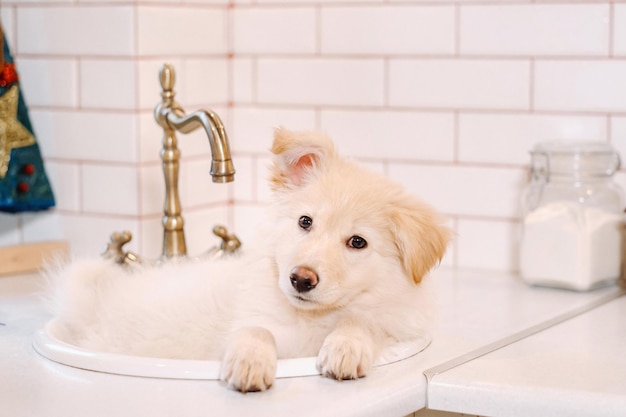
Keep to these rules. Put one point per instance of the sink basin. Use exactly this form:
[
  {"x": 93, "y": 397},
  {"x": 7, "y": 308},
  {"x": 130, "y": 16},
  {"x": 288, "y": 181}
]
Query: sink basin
[{"x": 51, "y": 346}]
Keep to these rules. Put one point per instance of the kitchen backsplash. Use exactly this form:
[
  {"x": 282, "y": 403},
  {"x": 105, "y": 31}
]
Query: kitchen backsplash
[{"x": 446, "y": 97}]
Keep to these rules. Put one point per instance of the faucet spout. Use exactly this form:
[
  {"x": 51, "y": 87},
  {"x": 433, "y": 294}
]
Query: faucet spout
[
  {"x": 222, "y": 169},
  {"x": 170, "y": 116}
]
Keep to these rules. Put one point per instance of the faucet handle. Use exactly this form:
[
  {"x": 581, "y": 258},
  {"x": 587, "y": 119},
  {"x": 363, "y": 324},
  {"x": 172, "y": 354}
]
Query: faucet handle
[
  {"x": 114, "y": 249},
  {"x": 230, "y": 242}
]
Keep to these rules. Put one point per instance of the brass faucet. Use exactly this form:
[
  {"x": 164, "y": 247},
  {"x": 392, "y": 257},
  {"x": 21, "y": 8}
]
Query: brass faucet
[{"x": 171, "y": 117}]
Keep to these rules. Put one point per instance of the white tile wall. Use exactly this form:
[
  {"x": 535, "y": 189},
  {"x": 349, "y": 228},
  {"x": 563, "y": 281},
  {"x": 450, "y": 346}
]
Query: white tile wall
[
  {"x": 109, "y": 189},
  {"x": 459, "y": 83},
  {"x": 489, "y": 138},
  {"x": 388, "y": 134},
  {"x": 180, "y": 30},
  {"x": 75, "y": 30},
  {"x": 445, "y": 97},
  {"x": 320, "y": 81},
  {"x": 388, "y": 30},
  {"x": 49, "y": 82},
  {"x": 619, "y": 30},
  {"x": 536, "y": 29},
  {"x": 253, "y": 127},
  {"x": 497, "y": 248},
  {"x": 274, "y": 30},
  {"x": 580, "y": 85},
  {"x": 464, "y": 190},
  {"x": 108, "y": 84},
  {"x": 86, "y": 135}
]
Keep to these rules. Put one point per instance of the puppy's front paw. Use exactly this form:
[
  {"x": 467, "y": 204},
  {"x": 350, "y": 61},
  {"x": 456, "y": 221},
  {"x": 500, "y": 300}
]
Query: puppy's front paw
[
  {"x": 344, "y": 356},
  {"x": 249, "y": 363}
]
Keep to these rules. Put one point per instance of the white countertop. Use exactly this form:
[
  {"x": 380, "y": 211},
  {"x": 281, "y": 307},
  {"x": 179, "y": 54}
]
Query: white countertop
[
  {"x": 576, "y": 368},
  {"x": 476, "y": 309}
]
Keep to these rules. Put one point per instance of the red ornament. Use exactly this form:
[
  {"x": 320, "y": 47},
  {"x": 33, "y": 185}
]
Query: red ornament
[
  {"x": 8, "y": 75},
  {"x": 22, "y": 187},
  {"x": 28, "y": 169}
]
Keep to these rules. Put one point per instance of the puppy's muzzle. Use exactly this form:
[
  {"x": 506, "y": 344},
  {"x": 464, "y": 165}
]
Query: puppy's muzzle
[{"x": 303, "y": 279}]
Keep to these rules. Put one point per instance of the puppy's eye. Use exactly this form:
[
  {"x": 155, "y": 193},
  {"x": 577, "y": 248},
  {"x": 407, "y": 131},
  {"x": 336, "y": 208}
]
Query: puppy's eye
[
  {"x": 305, "y": 222},
  {"x": 357, "y": 242}
]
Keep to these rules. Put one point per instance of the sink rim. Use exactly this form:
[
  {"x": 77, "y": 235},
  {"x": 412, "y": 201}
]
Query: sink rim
[{"x": 52, "y": 348}]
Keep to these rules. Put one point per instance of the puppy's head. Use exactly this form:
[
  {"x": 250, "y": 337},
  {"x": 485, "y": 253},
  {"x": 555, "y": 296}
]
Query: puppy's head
[{"x": 345, "y": 233}]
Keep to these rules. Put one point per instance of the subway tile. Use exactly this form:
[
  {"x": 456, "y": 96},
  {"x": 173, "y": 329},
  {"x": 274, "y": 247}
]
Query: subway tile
[
  {"x": 42, "y": 226},
  {"x": 619, "y": 29},
  {"x": 7, "y": 17},
  {"x": 253, "y": 127},
  {"x": 507, "y": 138},
  {"x": 49, "y": 82},
  {"x": 242, "y": 74},
  {"x": 108, "y": 84},
  {"x": 250, "y": 221},
  {"x": 196, "y": 186},
  {"x": 75, "y": 30},
  {"x": 152, "y": 190},
  {"x": 109, "y": 189},
  {"x": 180, "y": 30},
  {"x": 580, "y": 85},
  {"x": 205, "y": 81},
  {"x": 535, "y": 29},
  {"x": 321, "y": 81},
  {"x": 150, "y": 137},
  {"x": 274, "y": 30},
  {"x": 86, "y": 135},
  {"x": 464, "y": 190},
  {"x": 88, "y": 235},
  {"x": 150, "y": 238},
  {"x": 388, "y": 30},
  {"x": 65, "y": 182},
  {"x": 459, "y": 83},
  {"x": 245, "y": 178},
  {"x": 389, "y": 134},
  {"x": 252, "y": 180},
  {"x": 10, "y": 229},
  {"x": 263, "y": 192},
  {"x": 199, "y": 228},
  {"x": 197, "y": 82},
  {"x": 484, "y": 244}
]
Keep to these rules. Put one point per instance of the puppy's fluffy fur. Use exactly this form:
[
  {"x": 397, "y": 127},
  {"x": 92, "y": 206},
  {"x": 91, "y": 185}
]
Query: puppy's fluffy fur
[{"x": 341, "y": 285}]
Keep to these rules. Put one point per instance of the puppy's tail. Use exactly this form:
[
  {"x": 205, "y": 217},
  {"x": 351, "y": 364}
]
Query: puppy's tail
[{"x": 75, "y": 292}]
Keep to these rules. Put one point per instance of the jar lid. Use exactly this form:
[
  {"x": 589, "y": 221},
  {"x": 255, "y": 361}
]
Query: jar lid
[{"x": 575, "y": 158}]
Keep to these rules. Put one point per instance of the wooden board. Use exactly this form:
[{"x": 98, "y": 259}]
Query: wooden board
[{"x": 30, "y": 257}]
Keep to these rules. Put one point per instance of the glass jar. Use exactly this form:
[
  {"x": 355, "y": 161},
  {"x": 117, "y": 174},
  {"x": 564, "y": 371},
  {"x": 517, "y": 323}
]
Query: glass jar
[{"x": 573, "y": 216}]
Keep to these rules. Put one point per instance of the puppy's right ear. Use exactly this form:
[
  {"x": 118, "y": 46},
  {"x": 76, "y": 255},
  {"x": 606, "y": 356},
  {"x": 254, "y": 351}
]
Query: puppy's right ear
[{"x": 298, "y": 156}]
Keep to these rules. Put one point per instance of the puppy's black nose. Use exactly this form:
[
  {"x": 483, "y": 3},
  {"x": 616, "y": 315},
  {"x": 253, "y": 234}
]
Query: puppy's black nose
[{"x": 303, "y": 279}]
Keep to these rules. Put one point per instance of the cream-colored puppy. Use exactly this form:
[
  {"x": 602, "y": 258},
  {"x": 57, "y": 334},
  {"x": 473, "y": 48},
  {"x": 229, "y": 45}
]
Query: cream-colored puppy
[{"x": 334, "y": 275}]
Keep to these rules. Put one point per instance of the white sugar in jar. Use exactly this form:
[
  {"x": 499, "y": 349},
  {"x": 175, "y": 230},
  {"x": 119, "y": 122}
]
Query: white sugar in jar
[{"x": 573, "y": 217}]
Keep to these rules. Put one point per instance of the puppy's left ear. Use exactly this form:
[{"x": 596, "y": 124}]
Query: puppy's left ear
[
  {"x": 298, "y": 156},
  {"x": 421, "y": 238}
]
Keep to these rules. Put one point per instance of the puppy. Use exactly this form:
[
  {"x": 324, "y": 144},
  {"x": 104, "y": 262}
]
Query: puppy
[{"x": 335, "y": 276}]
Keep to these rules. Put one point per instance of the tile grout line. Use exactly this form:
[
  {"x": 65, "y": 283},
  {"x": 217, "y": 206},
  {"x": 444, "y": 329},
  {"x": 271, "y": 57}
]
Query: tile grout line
[{"x": 516, "y": 337}]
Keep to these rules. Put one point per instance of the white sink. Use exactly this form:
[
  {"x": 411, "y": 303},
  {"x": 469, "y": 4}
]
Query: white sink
[{"x": 51, "y": 346}]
